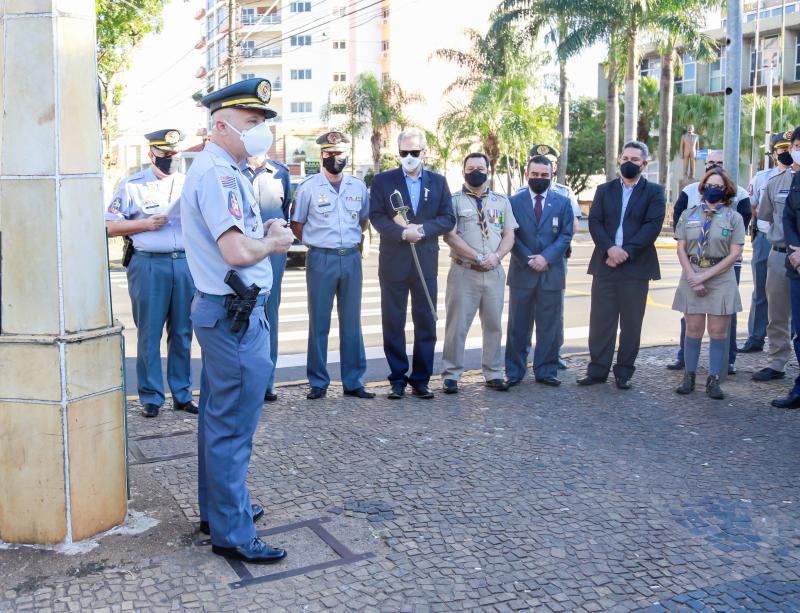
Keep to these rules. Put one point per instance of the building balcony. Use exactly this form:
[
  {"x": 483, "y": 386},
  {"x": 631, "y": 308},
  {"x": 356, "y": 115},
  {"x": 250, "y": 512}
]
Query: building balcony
[
  {"x": 252, "y": 57},
  {"x": 262, "y": 23}
]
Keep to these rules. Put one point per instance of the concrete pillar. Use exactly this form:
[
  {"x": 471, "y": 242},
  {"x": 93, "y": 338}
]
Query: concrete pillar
[{"x": 62, "y": 419}]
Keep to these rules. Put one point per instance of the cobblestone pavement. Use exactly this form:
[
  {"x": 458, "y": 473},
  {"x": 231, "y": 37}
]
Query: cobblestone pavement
[{"x": 570, "y": 499}]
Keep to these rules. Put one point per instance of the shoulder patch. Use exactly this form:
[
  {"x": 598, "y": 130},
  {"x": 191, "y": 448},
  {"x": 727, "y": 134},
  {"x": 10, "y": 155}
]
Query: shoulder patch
[
  {"x": 115, "y": 208},
  {"x": 233, "y": 206}
]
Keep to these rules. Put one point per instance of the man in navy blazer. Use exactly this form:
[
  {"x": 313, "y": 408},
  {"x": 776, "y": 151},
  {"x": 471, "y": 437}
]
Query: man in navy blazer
[
  {"x": 537, "y": 275},
  {"x": 430, "y": 215},
  {"x": 624, "y": 221}
]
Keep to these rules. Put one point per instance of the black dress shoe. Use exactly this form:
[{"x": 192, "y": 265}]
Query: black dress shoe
[
  {"x": 512, "y": 382},
  {"x": 150, "y": 410},
  {"x": 731, "y": 369},
  {"x": 792, "y": 401},
  {"x": 497, "y": 384},
  {"x": 398, "y": 391},
  {"x": 189, "y": 407},
  {"x": 676, "y": 365},
  {"x": 359, "y": 393},
  {"x": 622, "y": 383},
  {"x": 316, "y": 393},
  {"x": 449, "y": 386},
  {"x": 257, "y": 510},
  {"x": 562, "y": 365},
  {"x": 551, "y": 381},
  {"x": 270, "y": 396},
  {"x": 749, "y": 347},
  {"x": 422, "y": 391},
  {"x": 255, "y": 552},
  {"x": 587, "y": 380},
  {"x": 768, "y": 374}
]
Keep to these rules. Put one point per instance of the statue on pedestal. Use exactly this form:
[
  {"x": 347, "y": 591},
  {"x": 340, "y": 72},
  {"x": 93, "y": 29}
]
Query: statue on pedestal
[{"x": 690, "y": 143}]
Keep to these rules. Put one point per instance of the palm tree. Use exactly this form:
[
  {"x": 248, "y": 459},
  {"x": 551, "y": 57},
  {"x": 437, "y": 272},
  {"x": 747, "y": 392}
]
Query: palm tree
[{"x": 370, "y": 104}]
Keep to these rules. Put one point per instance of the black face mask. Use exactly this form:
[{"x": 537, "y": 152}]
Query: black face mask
[
  {"x": 167, "y": 165},
  {"x": 629, "y": 170},
  {"x": 539, "y": 186},
  {"x": 785, "y": 158},
  {"x": 334, "y": 165},
  {"x": 476, "y": 178}
]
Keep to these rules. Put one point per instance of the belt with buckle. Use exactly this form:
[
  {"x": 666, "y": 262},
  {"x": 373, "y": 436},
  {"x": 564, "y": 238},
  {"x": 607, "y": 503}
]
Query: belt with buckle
[
  {"x": 174, "y": 255},
  {"x": 780, "y": 249},
  {"x": 220, "y": 299},
  {"x": 704, "y": 262},
  {"x": 470, "y": 265},
  {"x": 338, "y": 251}
]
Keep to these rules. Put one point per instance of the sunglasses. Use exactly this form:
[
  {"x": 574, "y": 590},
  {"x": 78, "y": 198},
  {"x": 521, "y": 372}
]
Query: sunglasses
[{"x": 415, "y": 153}]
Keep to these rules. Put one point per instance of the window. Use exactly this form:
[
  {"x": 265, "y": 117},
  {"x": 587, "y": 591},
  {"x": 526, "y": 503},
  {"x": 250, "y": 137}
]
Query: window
[
  {"x": 211, "y": 57},
  {"x": 716, "y": 71},
  {"x": 302, "y": 74},
  {"x": 222, "y": 50},
  {"x": 686, "y": 83},
  {"x": 768, "y": 52},
  {"x": 300, "y": 7},
  {"x": 384, "y": 45},
  {"x": 210, "y": 4},
  {"x": 300, "y": 107},
  {"x": 248, "y": 75},
  {"x": 339, "y": 77},
  {"x": 211, "y": 24},
  {"x": 301, "y": 41},
  {"x": 249, "y": 16},
  {"x": 210, "y": 84},
  {"x": 339, "y": 11},
  {"x": 651, "y": 67},
  {"x": 339, "y": 44}
]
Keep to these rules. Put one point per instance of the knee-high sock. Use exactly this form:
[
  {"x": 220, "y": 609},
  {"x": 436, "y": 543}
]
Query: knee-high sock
[
  {"x": 691, "y": 353},
  {"x": 717, "y": 353}
]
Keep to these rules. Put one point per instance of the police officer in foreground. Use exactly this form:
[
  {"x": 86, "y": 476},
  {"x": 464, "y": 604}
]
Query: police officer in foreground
[
  {"x": 145, "y": 208},
  {"x": 552, "y": 154},
  {"x": 227, "y": 241},
  {"x": 331, "y": 211},
  {"x": 273, "y": 193},
  {"x": 483, "y": 236}
]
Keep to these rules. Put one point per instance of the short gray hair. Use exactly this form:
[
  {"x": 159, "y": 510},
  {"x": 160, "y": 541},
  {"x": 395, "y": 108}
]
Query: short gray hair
[
  {"x": 635, "y": 144},
  {"x": 413, "y": 133}
]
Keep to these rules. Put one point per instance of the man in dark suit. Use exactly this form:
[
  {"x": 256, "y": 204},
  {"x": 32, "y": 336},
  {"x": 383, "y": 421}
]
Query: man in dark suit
[
  {"x": 430, "y": 215},
  {"x": 624, "y": 221},
  {"x": 537, "y": 275}
]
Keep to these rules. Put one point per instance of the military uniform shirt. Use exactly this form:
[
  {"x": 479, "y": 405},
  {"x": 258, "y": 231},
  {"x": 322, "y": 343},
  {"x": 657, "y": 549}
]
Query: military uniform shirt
[
  {"x": 566, "y": 191},
  {"x": 331, "y": 219},
  {"x": 142, "y": 195},
  {"x": 497, "y": 214},
  {"x": 773, "y": 199},
  {"x": 270, "y": 187},
  {"x": 218, "y": 197},
  {"x": 759, "y": 182}
]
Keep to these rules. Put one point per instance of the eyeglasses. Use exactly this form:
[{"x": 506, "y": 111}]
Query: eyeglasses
[
  {"x": 711, "y": 165},
  {"x": 415, "y": 153}
]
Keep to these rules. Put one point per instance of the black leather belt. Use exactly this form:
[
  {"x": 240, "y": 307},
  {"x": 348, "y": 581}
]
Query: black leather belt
[
  {"x": 779, "y": 249},
  {"x": 704, "y": 262},
  {"x": 220, "y": 299},
  {"x": 470, "y": 265},
  {"x": 175, "y": 255},
  {"x": 339, "y": 251}
]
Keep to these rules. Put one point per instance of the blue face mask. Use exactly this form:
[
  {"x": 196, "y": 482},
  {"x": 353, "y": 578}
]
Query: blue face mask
[{"x": 713, "y": 195}]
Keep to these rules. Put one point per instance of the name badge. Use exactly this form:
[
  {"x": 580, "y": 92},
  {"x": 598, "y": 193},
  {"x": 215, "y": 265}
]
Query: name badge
[
  {"x": 692, "y": 224},
  {"x": 151, "y": 207}
]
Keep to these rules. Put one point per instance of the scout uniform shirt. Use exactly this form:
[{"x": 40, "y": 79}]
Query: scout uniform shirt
[
  {"x": 218, "y": 197},
  {"x": 773, "y": 199},
  {"x": 332, "y": 220},
  {"x": 727, "y": 227},
  {"x": 480, "y": 221},
  {"x": 142, "y": 195}
]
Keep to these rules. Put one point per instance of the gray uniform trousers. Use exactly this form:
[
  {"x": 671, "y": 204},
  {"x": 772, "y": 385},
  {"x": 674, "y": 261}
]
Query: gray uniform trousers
[
  {"x": 232, "y": 388},
  {"x": 470, "y": 291},
  {"x": 779, "y": 309}
]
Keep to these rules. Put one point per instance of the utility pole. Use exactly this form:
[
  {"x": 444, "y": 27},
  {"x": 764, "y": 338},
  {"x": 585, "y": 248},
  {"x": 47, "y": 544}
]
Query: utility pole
[
  {"x": 753, "y": 151},
  {"x": 231, "y": 39},
  {"x": 780, "y": 47},
  {"x": 733, "y": 88},
  {"x": 769, "y": 66}
]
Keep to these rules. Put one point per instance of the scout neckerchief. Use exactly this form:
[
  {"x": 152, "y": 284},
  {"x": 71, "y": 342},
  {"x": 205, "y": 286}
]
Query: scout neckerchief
[
  {"x": 709, "y": 213},
  {"x": 481, "y": 215}
]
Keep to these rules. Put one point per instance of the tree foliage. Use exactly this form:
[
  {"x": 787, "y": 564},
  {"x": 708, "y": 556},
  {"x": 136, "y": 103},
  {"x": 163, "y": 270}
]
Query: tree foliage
[{"x": 587, "y": 119}]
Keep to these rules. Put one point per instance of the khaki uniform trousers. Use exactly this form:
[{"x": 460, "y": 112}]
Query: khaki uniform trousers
[
  {"x": 779, "y": 310},
  {"x": 470, "y": 291}
]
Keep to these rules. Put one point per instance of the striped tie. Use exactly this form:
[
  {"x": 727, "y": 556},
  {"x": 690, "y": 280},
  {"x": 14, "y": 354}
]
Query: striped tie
[
  {"x": 482, "y": 218},
  {"x": 537, "y": 210}
]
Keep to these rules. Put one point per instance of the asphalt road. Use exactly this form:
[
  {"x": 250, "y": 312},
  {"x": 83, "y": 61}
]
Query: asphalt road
[{"x": 661, "y": 324}]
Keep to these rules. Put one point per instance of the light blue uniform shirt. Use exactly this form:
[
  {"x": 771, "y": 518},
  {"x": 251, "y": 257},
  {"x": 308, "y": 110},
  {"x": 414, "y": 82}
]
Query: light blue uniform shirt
[
  {"x": 331, "y": 220},
  {"x": 217, "y": 197},
  {"x": 142, "y": 195},
  {"x": 414, "y": 187},
  {"x": 626, "y": 197}
]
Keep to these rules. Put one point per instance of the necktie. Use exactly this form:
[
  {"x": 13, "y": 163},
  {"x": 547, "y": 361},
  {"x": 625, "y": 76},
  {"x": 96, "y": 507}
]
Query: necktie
[{"x": 537, "y": 210}]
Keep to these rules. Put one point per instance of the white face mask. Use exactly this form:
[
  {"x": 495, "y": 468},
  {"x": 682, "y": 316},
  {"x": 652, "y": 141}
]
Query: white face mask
[
  {"x": 410, "y": 163},
  {"x": 257, "y": 140},
  {"x": 796, "y": 156}
]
